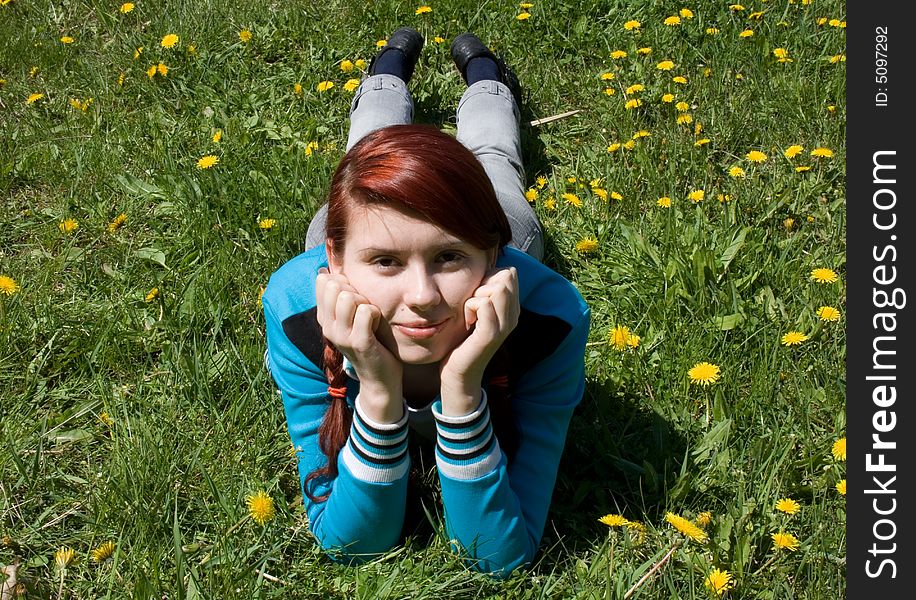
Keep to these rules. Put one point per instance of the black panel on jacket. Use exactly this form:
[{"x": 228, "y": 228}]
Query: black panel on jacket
[{"x": 304, "y": 332}]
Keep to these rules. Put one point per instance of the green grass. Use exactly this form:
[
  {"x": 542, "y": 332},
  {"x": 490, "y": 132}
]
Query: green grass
[{"x": 195, "y": 423}]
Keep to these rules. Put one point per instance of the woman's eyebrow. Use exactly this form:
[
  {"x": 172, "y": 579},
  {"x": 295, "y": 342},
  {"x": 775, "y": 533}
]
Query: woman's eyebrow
[{"x": 447, "y": 245}]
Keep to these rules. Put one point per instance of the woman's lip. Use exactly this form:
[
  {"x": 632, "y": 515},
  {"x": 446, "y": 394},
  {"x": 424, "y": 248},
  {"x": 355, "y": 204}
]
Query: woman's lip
[{"x": 419, "y": 331}]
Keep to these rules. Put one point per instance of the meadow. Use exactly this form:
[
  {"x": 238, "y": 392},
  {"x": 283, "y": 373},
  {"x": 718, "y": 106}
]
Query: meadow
[{"x": 159, "y": 160}]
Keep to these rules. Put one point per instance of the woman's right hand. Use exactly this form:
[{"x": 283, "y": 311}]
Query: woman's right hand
[{"x": 349, "y": 322}]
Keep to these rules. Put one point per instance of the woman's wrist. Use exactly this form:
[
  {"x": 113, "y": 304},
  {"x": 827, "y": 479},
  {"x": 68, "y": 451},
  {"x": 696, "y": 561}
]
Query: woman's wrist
[
  {"x": 460, "y": 396},
  {"x": 381, "y": 403}
]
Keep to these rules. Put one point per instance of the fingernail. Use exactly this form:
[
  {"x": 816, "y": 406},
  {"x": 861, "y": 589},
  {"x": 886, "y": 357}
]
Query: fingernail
[{"x": 323, "y": 270}]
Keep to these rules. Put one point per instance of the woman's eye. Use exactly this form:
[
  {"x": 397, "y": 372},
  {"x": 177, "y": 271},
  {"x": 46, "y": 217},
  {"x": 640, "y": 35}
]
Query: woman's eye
[
  {"x": 384, "y": 263},
  {"x": 450, "y": 257}
]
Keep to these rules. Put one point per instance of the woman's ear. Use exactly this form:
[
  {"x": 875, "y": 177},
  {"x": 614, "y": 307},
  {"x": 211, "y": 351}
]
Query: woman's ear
[{"x": 335, "y": 264}]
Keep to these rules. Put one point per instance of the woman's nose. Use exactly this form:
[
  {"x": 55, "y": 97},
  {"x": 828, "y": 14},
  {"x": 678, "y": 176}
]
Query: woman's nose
[{"x": 422, "y": 291}]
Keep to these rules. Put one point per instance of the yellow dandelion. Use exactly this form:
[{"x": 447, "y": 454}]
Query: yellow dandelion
[
  {"x": 635, "y": 88},
  {"x": 712, "y": 31},
  {"x": 105, "y": 418},
  {"x": 679, "y": 79},
  {"x": 33, "y": 71},
  {"x": 208, "y": 161},
  {"x": 792, "y": 151},
  {"x": 572, "y": 199},
  {"x": 169, "y": 41},
  {"x": 531, "y": 194},
  {"x": 616, "y": 54},
  {"x": 267, "y": 223},
  {"x": 121, "y": 79},
  {"x": 757, "y": 15},
  {"x": 217, "y": 136},
  {"x": 802, "y": 168},
  {"x": 162, "y": 69},
  {"x": 601, "y": 193},
  {"x": 607, "y": 76},
  {"x": 794, "y": 338},
  {"x": 641, "y": 134},
  {"x": 632, "y": 25},
  {"x": 630, "y": 144},
  {"x": 351, "y": 85},
  {"x": 735, "y": 7},
  {"x": 541, "y": 181},
  {"x": 245, "y": 35},
  {"x": 682, "y": 107},
  {"x": 550, "y": 203},
  {"x": 756, "y": 156},
  {"x": 324, "y": 86},
  {"x": 64, "y": 557},
  {"x": 837, "y": 58},
  {"x": 665, "y": 65},
  {"x": 103, "y": 552},
  {"x": 696, "y": 196},
  {"x": 684, "y": 119},
  {"x": 664, "y": 202},
  {"x": 117, "y": 222},
  {"x": 33, "y": 98},
  {"x": 839, "y": 449},
  {"x": 633, "y": 103},
  {"x": 613, "y": 520},
  {"x": 138, "y": 52},
  {"x": 619, "y": 337},
  {"x": 685, "y": 527},
  {"x": 686, "y": 13},
  {"x": 525, "y": 5},
  {"x": 704, "y": 518},
  {"x": 701, "y": 142},
  {"x": 722, "y": 198},
  {"x": 616, "y": 196},
  {"x": 151, "y": 72},
  {"x": 841, "y": 487},
  {"x": 152, "y": 294},
  {"x": 668, "y": 98},
  {"x": 736, "y": 171},
  {"x": 523, "y": 16},
  {"x": 828, "y": 313},
  {"x": 614, "y": 147},
  {"x": 704, "y": 373},
  {"x": 587, "y": 245},
  {"x": 789, "y": 223},
  {"x": 719, "y": 581},
  {"x": 422, "y": 10},
  {"x": 785, "y": 541},
  {"x": 672, "y": 21},
  {"x": 66, "y": 40},
  {"x": 609, "y": 91},
  {"x": 310, "y": 148},
  {"x": 260, "y": 507},
  {"x": 360, "y": 64},
  {"x": 346, "y": 65},
  {"x": 822, "y": 153},
  {"x": 126, "y": 7},
  {"x": 68, "y": 225},
  {"x": 644, "y": 51},
  {"x": 8, "y": 285},
  {"x": 822, "y": 275},
  {"x": 788, "y": 506},
  {"x": 297, "y": 89}
]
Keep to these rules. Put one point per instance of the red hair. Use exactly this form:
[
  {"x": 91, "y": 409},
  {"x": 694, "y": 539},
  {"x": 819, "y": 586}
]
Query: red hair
[{"x": 421, "y": 170}]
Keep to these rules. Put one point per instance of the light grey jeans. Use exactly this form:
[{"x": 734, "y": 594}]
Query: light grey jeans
[{"x": 487, "y": 125}]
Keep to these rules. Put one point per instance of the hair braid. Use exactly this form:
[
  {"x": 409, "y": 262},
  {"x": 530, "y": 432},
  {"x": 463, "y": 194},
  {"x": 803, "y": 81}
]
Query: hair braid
[{"x": 335, "y": 427}]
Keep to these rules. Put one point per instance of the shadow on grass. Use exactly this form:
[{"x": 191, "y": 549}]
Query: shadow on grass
[{"x": 620, "y": 457}]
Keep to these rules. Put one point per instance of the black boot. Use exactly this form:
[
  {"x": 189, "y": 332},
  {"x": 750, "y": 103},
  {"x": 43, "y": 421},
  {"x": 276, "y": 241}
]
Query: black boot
[
  {"x": 467, "y": 47},
  {"x": 399, "y": 56}
]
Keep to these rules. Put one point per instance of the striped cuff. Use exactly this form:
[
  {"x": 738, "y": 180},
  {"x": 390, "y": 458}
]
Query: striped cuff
[
  {"x": 466, "y": 447},
  {"x": 376, "y": 452}
]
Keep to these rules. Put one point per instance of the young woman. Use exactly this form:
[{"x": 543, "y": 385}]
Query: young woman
[{"x": 423, "y": 313}]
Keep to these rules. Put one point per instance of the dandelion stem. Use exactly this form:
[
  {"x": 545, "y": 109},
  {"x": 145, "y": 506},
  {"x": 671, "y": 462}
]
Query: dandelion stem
[
  {"x": 652, "y": 571},
  {"x": 765, "y": 565}
]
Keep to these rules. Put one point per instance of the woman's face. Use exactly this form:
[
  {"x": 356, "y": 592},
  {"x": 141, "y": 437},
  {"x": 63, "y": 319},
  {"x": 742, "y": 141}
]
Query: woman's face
[{"x": 417, "y": 274}]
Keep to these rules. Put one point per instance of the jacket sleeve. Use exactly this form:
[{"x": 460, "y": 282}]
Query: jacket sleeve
[
  {"x": 364, "y": 513},
  {"x": 494, "y": 512}
]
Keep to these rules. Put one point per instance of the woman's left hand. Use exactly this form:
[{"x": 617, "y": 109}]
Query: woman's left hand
[{"x": 493, "y": 313}]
